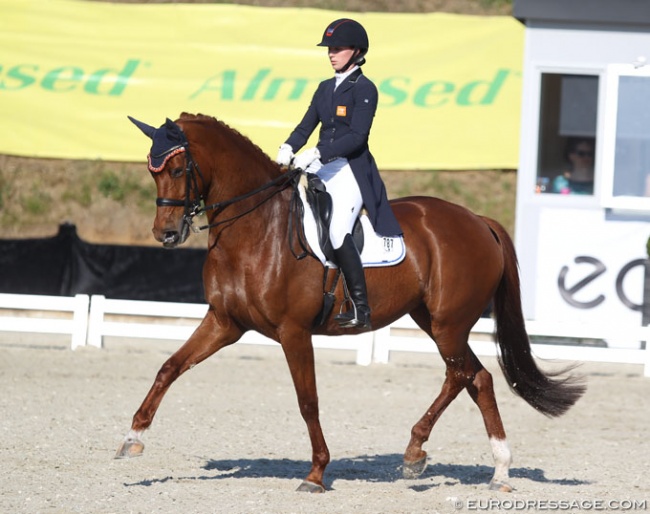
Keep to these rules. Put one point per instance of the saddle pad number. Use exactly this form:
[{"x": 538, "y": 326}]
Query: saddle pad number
[{"x": 341, "y": 110}]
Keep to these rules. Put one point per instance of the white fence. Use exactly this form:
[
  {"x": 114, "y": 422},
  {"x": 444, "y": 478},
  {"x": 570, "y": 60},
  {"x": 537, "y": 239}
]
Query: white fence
[
  {"x": 89, "y": 319},
  {"x": 46, "y": 315},
  {"x": 168, "y": 324},
  {"x": 404, "y": 335}
]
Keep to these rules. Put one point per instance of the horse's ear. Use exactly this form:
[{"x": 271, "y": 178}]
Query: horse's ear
[
  {"x": 174, "y": 132},
  {"x": 148, "y": 130}
]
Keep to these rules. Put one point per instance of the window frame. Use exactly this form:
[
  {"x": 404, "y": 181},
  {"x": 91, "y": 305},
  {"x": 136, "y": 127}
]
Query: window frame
[
  {"x": 530, "y": 144},
  {"x": 607, "y": 130},
  {"x": 542, "y": 155}
]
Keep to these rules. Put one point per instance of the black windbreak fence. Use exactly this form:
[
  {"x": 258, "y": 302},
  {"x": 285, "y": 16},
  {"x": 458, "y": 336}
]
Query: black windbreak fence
[{"x": 64, "y": 265}]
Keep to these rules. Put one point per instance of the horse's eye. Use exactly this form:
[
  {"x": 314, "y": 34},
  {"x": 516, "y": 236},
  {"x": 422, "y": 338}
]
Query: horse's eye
[{"x": 176, "y": 172}]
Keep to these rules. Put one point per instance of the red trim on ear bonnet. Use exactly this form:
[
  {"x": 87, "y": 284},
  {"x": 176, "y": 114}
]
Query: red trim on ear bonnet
[{"x": 172, "y": 153}]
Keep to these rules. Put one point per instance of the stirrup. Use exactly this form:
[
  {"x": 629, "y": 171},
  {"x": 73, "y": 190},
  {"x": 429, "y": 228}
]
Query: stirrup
[{"x": 350, "y": 318}]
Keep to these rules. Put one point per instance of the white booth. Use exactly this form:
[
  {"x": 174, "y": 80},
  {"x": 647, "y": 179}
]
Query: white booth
[{"x": 583, "y": 189}]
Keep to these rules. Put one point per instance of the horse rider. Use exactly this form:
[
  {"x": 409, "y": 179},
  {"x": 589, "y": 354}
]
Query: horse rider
[{"x": 345, "y": 106}]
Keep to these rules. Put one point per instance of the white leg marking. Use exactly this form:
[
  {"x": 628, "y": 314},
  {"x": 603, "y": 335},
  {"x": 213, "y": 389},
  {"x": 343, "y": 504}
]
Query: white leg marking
[
  {"x": 502, "y": 460},
  {"x": 134, "y": 436}
]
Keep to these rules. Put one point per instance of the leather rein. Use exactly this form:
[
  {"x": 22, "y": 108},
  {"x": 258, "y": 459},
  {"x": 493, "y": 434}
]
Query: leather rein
[{"x": 194, "y": 204}]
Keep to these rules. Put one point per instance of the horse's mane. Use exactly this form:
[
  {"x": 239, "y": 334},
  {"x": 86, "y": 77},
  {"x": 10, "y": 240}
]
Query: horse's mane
[{"x": 237, "y": 136}]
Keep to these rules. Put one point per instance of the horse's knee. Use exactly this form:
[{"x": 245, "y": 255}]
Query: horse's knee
[{"x": 167, "y": 373}]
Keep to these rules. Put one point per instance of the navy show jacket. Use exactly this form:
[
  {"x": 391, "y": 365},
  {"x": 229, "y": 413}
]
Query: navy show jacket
[{"x": 346, "y": 117}]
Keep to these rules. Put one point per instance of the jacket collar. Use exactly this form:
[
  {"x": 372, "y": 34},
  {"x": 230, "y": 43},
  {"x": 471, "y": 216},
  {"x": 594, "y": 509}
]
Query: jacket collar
[
  {"x": 349, "y": 81},
  {"x": 354, "y": 76}
]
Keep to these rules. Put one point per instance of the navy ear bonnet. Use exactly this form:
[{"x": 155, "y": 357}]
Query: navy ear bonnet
[{"x": 167, "y": 141}]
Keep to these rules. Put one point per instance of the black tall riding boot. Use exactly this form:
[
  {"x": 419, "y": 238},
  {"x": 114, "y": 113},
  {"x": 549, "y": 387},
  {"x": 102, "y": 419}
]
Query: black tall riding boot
[{"x": 348, "y": 259}]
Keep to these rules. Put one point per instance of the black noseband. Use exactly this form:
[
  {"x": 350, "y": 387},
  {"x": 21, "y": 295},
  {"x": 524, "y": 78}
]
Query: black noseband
[{"x": 169, "y": 202}]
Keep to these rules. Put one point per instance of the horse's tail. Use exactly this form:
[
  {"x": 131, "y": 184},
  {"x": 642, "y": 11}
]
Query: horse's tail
[{"x": 551, "y": 393}]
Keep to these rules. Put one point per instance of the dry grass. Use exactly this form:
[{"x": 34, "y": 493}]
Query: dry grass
[{"x": 113, "y": 202}]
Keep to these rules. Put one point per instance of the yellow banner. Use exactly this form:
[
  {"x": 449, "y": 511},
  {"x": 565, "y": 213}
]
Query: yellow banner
[{"x": 71, "y": 71}]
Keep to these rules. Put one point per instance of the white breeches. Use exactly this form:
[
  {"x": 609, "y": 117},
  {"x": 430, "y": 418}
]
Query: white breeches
[{"x": 346, "y": 197}]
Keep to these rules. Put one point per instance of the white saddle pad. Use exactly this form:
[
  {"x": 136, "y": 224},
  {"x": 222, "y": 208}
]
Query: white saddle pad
[{"x": 377, "y": 250}]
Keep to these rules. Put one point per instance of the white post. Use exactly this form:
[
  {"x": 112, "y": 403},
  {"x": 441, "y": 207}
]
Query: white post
[
  {"x": 646, "y": 339},
  {"x": 364, "y": 352},
  {"x": 95, "y": 321},
  {"x": 381, "y": 351},
  {"x": 80, "y": 320}
]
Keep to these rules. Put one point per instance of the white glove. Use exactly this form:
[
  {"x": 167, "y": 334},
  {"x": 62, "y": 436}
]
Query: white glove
[
  {"x": 304, "y": 159},
  {"x": 285, "y": 154}
]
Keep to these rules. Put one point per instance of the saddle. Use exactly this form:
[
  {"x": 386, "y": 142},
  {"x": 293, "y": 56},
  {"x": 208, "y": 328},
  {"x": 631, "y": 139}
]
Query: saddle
[{"x": 320, "y": 202}]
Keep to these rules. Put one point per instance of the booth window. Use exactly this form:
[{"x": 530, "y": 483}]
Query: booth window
[
  {"x": 567, "y": 135},
  {"x": 632, "y": 142}
]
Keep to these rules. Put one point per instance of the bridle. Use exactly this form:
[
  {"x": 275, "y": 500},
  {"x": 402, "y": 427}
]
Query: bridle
[{"x": 194, "y": 204}]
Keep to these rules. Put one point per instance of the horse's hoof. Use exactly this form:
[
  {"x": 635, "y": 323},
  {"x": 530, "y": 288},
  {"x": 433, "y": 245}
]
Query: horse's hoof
[
  {"x": 500, "y": 486},
  {"x": 310, "y": 487},
  {"x": 130, "y": 448},
  {"x": 413, "y": 470}
]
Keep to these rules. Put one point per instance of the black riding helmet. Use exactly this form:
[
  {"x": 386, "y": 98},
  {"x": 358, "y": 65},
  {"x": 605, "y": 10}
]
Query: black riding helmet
[{"x": 347, "y": 32}]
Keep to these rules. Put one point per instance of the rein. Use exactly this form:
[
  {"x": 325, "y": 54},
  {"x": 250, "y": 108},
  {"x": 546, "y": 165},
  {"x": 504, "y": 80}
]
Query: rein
[
  {"x": 284, "y": 180},
  {"x": 194, "y": 204}
]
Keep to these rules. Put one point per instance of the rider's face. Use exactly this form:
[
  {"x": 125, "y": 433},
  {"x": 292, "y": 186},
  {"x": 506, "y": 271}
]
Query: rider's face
[{"x": 339, "y": 56}]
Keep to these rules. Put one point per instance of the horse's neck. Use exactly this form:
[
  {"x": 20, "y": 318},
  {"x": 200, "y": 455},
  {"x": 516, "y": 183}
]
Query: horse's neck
[
  {"x": 227, "y": 181},
  {"x": 264, "y": 213}
]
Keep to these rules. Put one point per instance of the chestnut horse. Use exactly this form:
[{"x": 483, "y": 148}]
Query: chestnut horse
[{"x": 456, "y": 264}]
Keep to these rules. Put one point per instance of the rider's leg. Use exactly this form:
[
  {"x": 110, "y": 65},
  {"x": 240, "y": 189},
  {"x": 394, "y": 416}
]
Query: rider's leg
[
  {"x": 347, "y": 203},
  {"x": 349, "y": 261}
]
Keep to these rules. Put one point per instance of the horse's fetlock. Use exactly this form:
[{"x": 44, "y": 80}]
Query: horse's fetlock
[
  {"x": 322, "y": 457},
  {"x": 420, "y": 434}
]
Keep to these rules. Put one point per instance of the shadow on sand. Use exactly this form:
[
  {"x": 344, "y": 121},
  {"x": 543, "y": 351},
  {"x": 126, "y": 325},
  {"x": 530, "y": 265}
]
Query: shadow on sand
[{"x": 369, "y": 468}]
